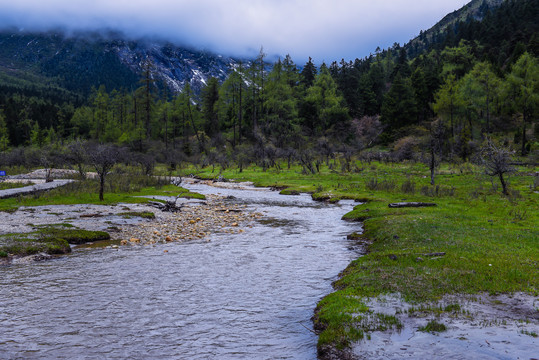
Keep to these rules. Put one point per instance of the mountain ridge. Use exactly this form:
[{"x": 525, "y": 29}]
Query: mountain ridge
[{"x": 82, "y": 61}]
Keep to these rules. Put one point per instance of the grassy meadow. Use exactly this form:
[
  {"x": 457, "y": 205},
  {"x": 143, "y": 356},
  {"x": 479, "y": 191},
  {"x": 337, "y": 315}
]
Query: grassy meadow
[{"x": 475, "y": 240}]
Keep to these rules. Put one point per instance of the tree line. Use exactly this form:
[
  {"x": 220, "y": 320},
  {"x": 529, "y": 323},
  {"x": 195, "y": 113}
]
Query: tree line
[{"x": 445, "y": 101}]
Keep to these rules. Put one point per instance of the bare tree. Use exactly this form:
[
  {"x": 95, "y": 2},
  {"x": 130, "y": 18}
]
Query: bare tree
[
  {"x": 367, "y": 130},
  {"x": 50, "y": 158},
  {"x": 103, "y": 158},
  {"x": 496, "y": 160},
  {"x": 146, "y": 162},
  {"x": 77, "y": 156}
]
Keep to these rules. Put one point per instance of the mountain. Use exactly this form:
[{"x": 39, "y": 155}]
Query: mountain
[
  {"x": 78, "y": 62},
  {"x": 503, "y": 29},
  {"x": 474, "y": 10}
]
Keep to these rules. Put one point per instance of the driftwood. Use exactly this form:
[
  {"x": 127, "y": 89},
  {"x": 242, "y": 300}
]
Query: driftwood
[
  {"x": 410, "y": 204},
  {"x": 168, "y": 206},
  {"x": 177, "y": 181}
]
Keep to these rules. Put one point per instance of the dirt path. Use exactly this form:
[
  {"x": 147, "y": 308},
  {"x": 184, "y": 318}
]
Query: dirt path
[{"x": 32, "y": 189}]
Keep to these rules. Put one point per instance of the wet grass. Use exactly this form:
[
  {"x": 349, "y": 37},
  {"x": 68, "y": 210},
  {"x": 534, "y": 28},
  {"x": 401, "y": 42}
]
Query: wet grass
[
  {"x": 119, "y": 189},
  {"x": 433, "y": 327},
  {"x": 490, "y": 241},
  {"x": 50, "y": 239},
  {"x": 142, "y": 214},
  {"x": 13, "y": 185}
]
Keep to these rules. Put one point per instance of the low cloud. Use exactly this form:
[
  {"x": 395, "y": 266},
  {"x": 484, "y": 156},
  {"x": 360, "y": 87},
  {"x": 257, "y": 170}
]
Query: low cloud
[{"x": 325, "y": 30}]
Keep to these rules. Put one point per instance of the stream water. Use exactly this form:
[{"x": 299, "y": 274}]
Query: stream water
[{"x": 241, "y": 296}]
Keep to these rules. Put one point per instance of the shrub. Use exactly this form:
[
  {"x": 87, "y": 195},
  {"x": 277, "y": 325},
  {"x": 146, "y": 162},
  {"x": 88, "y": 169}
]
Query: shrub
[
  {"x": 433, "y": 326},
  {"x": 405, "y": 148},
  {"x": 385, "y": 185},
  {"x": 408, "y": 187}
]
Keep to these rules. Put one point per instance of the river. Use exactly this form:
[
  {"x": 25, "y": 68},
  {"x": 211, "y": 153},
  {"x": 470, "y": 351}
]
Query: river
[{"x": 241, "y": 296}]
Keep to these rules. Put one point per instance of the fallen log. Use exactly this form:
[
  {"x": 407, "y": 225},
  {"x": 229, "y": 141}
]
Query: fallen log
[
  {"x": 410, "y": 204},
  {"x": 435, "y": 254}
]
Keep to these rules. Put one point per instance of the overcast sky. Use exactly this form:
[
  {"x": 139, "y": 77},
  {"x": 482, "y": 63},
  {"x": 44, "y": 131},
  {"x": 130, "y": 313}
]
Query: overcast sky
[{"x": 327, "y": 30}]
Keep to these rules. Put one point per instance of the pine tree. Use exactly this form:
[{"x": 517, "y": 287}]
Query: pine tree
[
  {"x": 328, "y": 105},
  {"x": 523, "y": 90},
  {"x": 399, "y": 107},
  {"x": 479, "y": 89},
  {"x": 210, "y": 97},
  {"x": 4, "y": 136},
  {"x": 448, "y": 102},
  {"x": 308, "y": 74},
  {"x": 281, "y": 106}
]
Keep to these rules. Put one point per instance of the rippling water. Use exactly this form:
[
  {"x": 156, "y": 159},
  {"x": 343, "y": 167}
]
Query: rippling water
[{"x": 243, "y": 296}]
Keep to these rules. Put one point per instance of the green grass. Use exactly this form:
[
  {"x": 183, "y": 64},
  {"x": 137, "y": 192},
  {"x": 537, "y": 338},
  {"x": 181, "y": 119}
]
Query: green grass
[
  {"x": 119, "y": 189},
  {"x": 52, "y": 239},
  {"x": 490, "y": 241},
  {"x": 433, "y": 327},
  {"x": 12, "y": 185},
  {"x": 142, "y": 214}
]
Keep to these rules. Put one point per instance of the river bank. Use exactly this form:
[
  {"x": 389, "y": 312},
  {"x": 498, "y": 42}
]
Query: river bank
[
  {"x": 134, "y": 224},
  {"x": 31, "y": 233},
  {"x": 247, "y": 295},
  {"x": 473, "y": 243}
]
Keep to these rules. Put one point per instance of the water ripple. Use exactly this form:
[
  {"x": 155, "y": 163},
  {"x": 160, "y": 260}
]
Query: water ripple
[{"x": 245, "y": 296}]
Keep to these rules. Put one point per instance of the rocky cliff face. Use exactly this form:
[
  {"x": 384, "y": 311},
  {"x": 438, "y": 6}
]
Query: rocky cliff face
[{"x": 174, "y": 66}]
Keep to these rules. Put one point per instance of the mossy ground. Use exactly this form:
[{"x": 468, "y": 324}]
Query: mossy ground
[
  {"x": 142, "y": 214},
  {"x": 490, "y": 241}
]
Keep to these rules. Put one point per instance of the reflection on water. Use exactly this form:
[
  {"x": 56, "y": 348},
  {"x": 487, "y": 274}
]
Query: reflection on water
[{"x": 243, "y": 296}]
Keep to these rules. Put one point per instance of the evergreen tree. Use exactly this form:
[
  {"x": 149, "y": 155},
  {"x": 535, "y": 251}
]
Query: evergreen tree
[
  {"x": 146, "y": 95},
  {"x": 330, "y": 113},
  {"x": 4, "y": 136},
  {"x": 523, "y": 91},
  {"x": 210, "y": 97},
  {"x": 480, "y": 88},
  {"x": 280, "y": 105},
  {"x": 308, "y": 74},
  {"x": 448, "y": 102},
  {"x": 399, "y": 107}
]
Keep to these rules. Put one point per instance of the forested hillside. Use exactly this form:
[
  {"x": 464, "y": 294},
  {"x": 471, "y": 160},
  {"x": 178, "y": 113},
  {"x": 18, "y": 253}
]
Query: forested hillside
[{"x": 442, "y": 94}]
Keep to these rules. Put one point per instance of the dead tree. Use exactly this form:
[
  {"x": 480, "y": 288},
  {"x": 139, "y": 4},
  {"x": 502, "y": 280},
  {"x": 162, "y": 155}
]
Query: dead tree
[
  {"x": 497, "y": 162},
  {"x": 103, "y": 158},
  {"x": 77, "y": 156},
  {"x": 169, "y": 206}
]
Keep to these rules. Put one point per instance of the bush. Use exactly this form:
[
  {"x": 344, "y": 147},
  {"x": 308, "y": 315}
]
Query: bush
[
  {"x": 374, "y": 184},
  {"x": 433, "y": 326},
  {"x": 408, "y": 187},
  {"x": 405, "y": 148},
  {"x": 438, "y": 190}
]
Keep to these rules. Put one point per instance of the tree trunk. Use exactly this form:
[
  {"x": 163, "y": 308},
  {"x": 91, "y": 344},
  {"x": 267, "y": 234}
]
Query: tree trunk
[
  {"x": 523, "y": 151},
  {"x": 101, "y": 186},
  {"x": 504, "y": 185},
  {"x": 240, "y": 108},
  {"x": 432, "y": 164}
]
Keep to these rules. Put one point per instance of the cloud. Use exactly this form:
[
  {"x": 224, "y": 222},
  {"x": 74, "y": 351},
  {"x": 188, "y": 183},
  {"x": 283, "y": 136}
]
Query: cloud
[{"x": 326, "y": 30}]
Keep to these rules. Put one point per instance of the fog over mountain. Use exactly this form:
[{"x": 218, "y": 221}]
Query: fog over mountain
[{"x": 326, "y": 30}]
